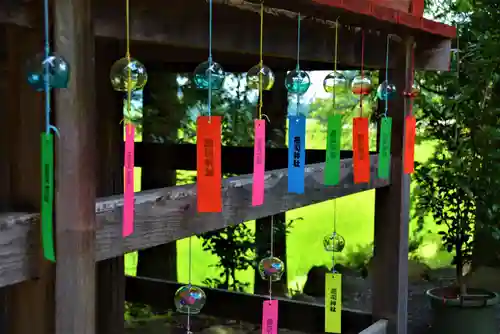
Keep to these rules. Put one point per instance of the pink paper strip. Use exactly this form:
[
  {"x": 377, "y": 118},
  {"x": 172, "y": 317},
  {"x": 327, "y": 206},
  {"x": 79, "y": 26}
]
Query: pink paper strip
[
  {"x": 270, "y": 317},
  {"x": 128, "y": 199},
  {"x": 259, "y": 158}
]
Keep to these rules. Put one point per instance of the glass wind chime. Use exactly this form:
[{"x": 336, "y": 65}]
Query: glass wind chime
[
  {"x": 334, "y": 83},
  {"x": 262, "y": 78},
  {"x": 45, "y": 72},
  {"x": 128, "y": 75},
  {"x": 297, "y": 83},
  {"x": 271, "y": 269},
  {"x": 209, "y": 75}
]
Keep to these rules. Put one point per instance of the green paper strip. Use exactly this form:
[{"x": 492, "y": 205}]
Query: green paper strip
[
  {"x": 332, "y": 164},
  {"x": 48, "y": 196},
  {"x": 384, "y": 155}
]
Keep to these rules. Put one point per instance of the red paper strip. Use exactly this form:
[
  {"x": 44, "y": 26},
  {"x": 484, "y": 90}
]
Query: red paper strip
[
  {"x": 128, "y": 196},
  {"x": 208, "y": 162},
  {"x": 361, "y": 153},
  {"x": 270, "y": 317},
  {"x": 259, "y": 158},
  {"x": 409, "y": 149}
]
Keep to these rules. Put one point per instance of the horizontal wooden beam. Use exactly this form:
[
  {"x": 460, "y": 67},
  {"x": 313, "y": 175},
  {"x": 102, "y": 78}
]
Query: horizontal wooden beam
[
  {"x": 235, "y": 29},
  {"x": 160, "y": 294},
  {"x": 236, "y": 160},
  {"x": 168, "y": 214}
]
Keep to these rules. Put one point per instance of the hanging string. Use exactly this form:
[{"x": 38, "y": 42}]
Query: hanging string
[
  {"x": 335, "y": 60},
  {"x": 127, "y": 55},
  {"x": 261, "y": 62},
  {"x": 362, "y": 71},
  {"x": 210, "y": 59},
  {"x": 298, "y": 59},
  {"x": 386, "y": 109},
  {"x": 46, "y": 70},
  {"x": 272, "y": 255},
  {"x": 334, "y": 232},
  {"x": 188, "y": 324},
  {"x": 412, "y": 77}
]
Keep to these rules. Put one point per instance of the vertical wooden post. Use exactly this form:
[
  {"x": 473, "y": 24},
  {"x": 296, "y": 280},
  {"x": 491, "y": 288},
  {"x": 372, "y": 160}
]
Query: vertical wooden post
[
  {"x": 76, "y": 172},
  {"x": 392, "y": 205},
  {"x": 30, "y": 304},
  {"x": 275, "y": 106}
]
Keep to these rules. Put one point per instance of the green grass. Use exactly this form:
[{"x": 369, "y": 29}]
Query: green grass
[{"x": 304, "y": 244}]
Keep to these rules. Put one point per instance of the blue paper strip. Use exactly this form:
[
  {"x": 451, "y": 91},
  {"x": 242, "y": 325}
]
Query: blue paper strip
[{"x": 296, "y": 153}]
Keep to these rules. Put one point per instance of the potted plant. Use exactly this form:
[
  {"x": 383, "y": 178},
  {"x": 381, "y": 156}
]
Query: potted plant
[{"x": 443, "y": 191}]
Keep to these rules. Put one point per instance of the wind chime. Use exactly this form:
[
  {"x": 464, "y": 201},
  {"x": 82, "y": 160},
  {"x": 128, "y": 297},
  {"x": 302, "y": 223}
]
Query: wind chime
[
  {"x": 297, "y": 83},
  {"x": 209, "y": 76},
  {"x": 259, "y": 77},
  {"x": 333, "y": 83},
  {"x": 271, "y": 269},
  {"x": 45, "y": 72},
  {"x": 128, "y": 75}
]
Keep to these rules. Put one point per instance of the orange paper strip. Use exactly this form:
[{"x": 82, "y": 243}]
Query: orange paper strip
[
  {"x": 208, "y": 161},
  {"x": 409, "y": 149},
  {"x": 361, "y": 154}
]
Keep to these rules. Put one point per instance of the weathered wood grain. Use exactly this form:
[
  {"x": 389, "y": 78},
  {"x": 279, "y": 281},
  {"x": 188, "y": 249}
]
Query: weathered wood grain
[
  {"x": 183, "y": 24},
  {"x": 168, "y": 214}
]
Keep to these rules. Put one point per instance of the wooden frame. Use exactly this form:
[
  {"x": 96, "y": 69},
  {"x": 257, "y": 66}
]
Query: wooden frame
[{"x": 169, "y": 214}]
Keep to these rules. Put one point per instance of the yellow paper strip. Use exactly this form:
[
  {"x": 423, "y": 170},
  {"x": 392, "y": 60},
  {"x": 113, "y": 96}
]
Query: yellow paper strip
[{"x": 333, "y": 303}]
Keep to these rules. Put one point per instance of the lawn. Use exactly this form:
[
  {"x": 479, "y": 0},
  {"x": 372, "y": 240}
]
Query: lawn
[{"x": 354, "y": 222}]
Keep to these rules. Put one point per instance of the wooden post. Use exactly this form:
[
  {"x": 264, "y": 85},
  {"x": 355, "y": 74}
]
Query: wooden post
[
  {"x": 275, "y": 106},
  {"x": 110, "y": 299},
  {"x": 30, "y": 304},
  {"x": 76, "y": 172},
  {"x": 160, "y": 261},
  {"x": 392, "y": 205}
]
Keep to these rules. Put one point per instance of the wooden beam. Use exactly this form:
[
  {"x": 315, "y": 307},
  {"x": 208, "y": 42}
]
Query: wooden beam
[
  {"x": 392, "y": 210},
  {"x": 276, "y": 158},
  {"x": 168, "y": 214},
  {"x": 311, "y": 316},
  {"x": 76, "y": 171},
  {"x": 184, "y": 24}
]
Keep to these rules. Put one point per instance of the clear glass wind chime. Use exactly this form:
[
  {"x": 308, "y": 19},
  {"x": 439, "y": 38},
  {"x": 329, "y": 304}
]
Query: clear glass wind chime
[
  {"x": 47, "y": 71},
  {"x": 271, "y": 268}
]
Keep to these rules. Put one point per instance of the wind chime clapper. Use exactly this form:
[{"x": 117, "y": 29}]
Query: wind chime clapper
[{"x": 47, "y": 71}]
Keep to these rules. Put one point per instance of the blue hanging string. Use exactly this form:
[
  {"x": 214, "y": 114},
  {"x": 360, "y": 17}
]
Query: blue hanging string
[
  {"x": 46, "y": 70},
  {"x": 210, "y": 60},
  {"x": 298, "y": 59},
  {"x": 387, "y": 76}
]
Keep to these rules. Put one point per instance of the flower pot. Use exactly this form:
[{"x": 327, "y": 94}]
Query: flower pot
[{"x": 472, "y": 314}]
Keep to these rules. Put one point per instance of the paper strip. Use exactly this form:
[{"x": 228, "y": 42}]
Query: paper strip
[
  {"x": 361, "y": 154},
  {"x": 259, "y": 158},
  {"x": 333, "y": 138},
  {"x": 384, "y": 154},
  {"x": 128, "y": 199},
  {"x": 208, "y": 162},
  {"x": 409, "y": 149},
  {"x": 333, "y": 303},
  {"x": 47, "y": 141},
  {"x": 270, "y": 317},
  {"x": 296, "y": 153}
]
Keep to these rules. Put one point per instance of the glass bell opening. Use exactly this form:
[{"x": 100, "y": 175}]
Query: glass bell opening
[
  {"x": 271, "y": 268},
  {"x": 258, "y": 73},
  {"x": 189, "y": 299},
  {"x": 209, "y": 74},
  {"x": 58, "y": 72},
  {"x": 297, "y": 82},
  {"x": 361, "y": 86},
  {"x": 125, "y": 73},
  {"x": 386, "y": 91}
]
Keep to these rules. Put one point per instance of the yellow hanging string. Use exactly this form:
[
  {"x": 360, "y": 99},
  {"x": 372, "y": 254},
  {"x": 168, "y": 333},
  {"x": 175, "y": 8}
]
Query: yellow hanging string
[
  {"x": 127, "y": 55},
  {"x": 261, "y": 63}
]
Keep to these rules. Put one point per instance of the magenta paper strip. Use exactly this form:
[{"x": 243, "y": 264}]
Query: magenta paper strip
[
  {"x": 259, "y": 158},
  {"x": 128, "y": 200},
  {"x": 270, "y": 317}
]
